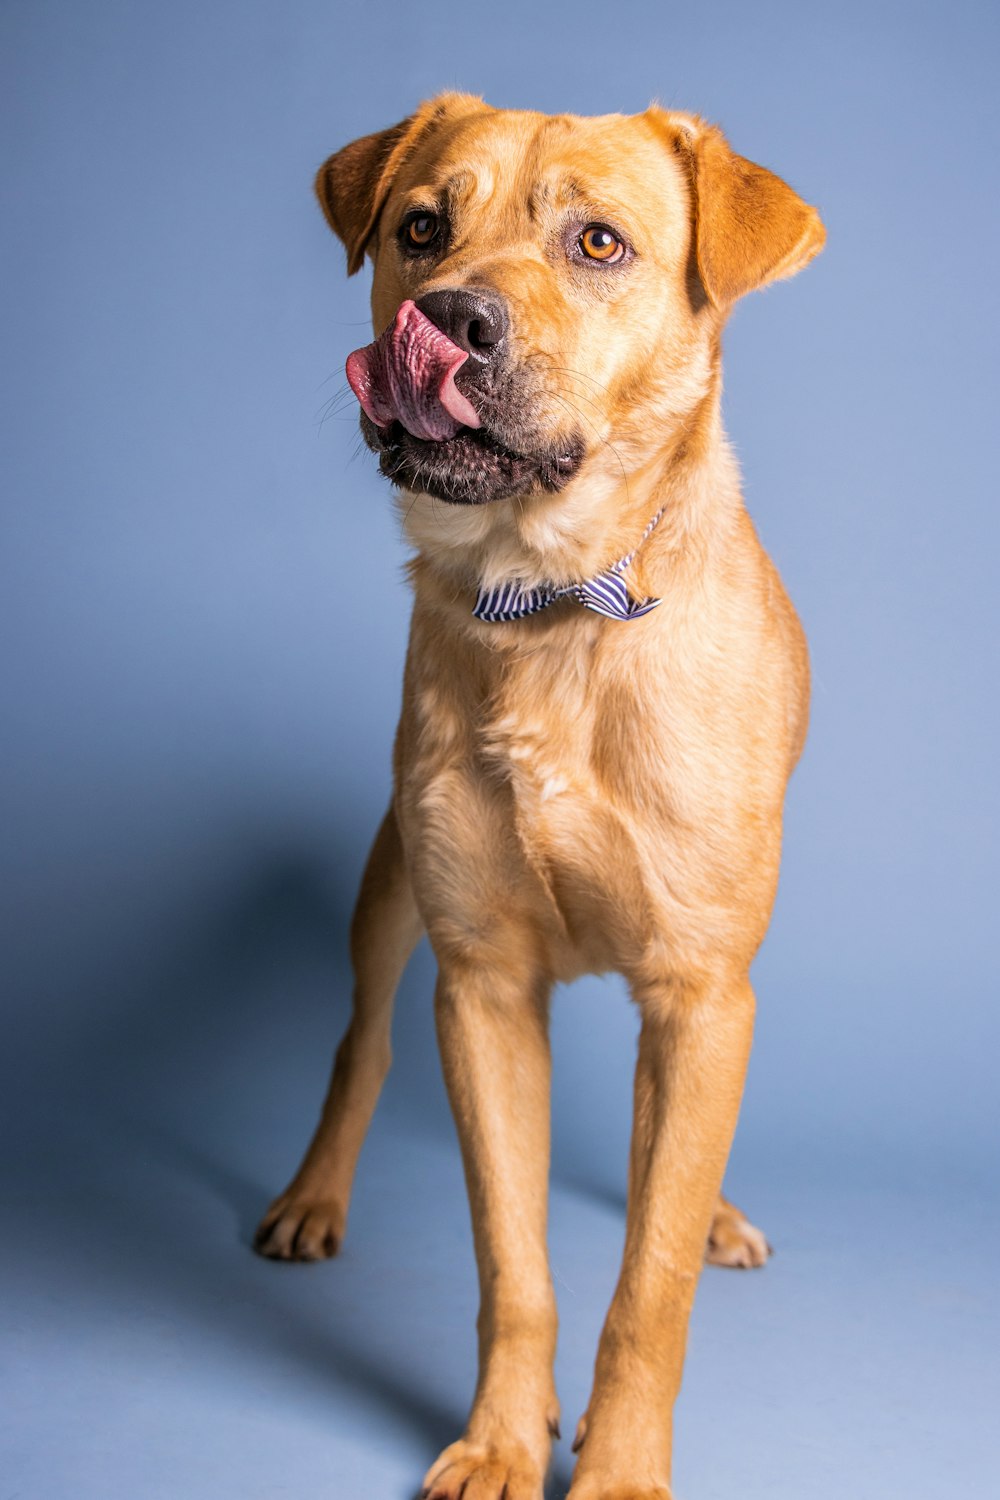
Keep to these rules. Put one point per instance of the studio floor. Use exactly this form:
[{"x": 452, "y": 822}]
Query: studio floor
[{"x": 150, "y": 1354}]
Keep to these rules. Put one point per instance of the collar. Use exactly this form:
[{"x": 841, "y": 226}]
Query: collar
[{"x": 605, "y": 593}]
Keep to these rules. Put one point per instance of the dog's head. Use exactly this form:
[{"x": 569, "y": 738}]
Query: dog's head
[{"x": 548, "y": 290}]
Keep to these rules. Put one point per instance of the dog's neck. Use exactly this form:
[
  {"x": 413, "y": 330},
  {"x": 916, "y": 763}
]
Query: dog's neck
[{"x": 599, "y": 517}]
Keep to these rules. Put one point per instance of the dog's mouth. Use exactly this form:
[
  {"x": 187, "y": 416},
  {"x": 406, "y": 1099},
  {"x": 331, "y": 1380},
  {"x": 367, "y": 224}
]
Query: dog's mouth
[
  {"x": 435, "y": 438},
  {"x": 471, "y": 468}
]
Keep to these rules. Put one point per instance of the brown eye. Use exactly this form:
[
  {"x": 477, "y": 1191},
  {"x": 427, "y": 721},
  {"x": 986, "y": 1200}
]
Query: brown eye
[
  {"x": 598, "y": 242},
  {"x": 421, "y": 231}
]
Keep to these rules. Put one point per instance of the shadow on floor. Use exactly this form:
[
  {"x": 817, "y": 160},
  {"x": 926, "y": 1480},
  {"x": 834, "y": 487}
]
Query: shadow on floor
[
  {"x": 189, "y": 1049},
  {"x": 173, "y": 1056}
]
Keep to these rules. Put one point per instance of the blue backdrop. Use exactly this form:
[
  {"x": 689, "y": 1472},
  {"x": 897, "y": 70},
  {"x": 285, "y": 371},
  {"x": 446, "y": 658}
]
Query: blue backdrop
[{"x": 203, "y": 619}]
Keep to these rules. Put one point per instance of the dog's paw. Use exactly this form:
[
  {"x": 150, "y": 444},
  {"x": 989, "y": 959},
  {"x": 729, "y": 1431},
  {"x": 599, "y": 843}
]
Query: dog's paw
[
  {"x": 594, "y": 1486},
  {"x": 475, "y": 1471},
  {"x": 734, "y": 1241},
  {"x": 297, "y": 1227}
]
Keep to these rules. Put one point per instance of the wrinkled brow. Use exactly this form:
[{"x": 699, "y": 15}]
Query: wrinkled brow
[
  {"x": 457, "y": 190},
  {"x": 461, "y": 188},
  {"x": 560, "y": 192}
]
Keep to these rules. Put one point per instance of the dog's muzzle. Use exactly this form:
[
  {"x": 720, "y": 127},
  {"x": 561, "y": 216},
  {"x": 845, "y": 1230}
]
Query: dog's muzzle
[{"x": 460, "y": 443}]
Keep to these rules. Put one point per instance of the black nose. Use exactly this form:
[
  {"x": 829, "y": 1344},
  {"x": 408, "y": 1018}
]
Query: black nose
[{"x": 476, "y": 321}]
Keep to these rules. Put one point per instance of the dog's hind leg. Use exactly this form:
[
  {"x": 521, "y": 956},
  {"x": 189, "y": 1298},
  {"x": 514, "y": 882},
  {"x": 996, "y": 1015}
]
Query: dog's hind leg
[
  {"x": 307, "y": 1221},
  {"x": 733, "y": 1240}
]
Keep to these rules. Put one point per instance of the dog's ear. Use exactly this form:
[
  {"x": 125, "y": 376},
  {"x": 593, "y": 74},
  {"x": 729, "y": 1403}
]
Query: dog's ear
[
  {"x": 750, "y": 227},
  {"x": 353, "y": 184}
]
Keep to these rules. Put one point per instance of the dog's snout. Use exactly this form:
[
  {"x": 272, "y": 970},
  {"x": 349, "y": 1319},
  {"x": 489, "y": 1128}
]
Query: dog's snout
[{"x": 477, "y": 321}]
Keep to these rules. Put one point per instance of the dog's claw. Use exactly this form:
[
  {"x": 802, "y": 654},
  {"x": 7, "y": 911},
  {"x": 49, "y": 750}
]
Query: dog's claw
[{"x": 300, "y": 1229}]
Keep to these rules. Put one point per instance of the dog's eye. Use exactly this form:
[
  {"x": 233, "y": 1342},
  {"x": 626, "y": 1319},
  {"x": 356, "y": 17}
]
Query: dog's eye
[
  {"x": 420, "y": 231},
  {"x": 598, "y": 242}
]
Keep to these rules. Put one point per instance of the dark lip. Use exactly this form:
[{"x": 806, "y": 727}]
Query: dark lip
[{"x": 472, "y": 468}]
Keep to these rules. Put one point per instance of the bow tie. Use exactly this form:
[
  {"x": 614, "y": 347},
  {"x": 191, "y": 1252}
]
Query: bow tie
[{"x": 605, "y": 593}]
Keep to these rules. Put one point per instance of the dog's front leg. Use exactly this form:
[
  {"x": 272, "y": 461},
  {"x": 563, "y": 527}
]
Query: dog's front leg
[
  {"x": 307, "y": 1221},
  {"x": 493, "y": 1032},
  {"x": 693, "y": 1051}
]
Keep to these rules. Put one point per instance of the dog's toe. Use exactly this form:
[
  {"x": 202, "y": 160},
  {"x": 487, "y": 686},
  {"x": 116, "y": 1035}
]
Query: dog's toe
[
  {"x": 296, "y": 1228},
  {"x": 734, "y": 1241},
  {"x": 476, "y": 1472}
]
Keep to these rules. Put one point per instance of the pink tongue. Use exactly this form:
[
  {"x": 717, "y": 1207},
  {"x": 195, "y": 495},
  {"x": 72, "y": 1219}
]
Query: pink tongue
[{"x": 408, "y": 376}]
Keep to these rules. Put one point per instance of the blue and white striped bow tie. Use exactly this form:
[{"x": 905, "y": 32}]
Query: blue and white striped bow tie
[{"x": 605, "y": 593}]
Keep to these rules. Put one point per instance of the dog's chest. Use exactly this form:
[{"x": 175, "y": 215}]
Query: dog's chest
[
  {"x": 560, "y": 831},
  {"x": 567, "y": 759},
  {"x": 589, "y": 797}
]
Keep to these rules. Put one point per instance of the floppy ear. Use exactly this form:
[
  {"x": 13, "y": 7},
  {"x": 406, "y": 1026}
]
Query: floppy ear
[
  {"x": 353, "y": 184},
  {"x": 750, "y": 227}
]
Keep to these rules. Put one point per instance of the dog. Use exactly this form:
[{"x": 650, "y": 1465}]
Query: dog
[{"x": 606, "y": 690}]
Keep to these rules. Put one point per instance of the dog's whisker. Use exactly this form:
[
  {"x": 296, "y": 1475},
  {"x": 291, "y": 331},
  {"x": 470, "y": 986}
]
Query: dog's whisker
[
  {"x": 409, "y": 509},
  {"x": 335, "y": 414},
  {"x": 577, "y": 375},
  {"x": 332, "y": 376},
  {"x": 337, "y": 402},
  {"x": 600, "y": 438},
  {"x": 577, "y": 396},
  {"x": 341, "y": 393},
  {"x": 333, "y": 410}
]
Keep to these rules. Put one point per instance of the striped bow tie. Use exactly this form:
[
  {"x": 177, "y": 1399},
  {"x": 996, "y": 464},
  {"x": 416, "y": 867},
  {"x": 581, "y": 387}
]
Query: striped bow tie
[{"x": 605, "y": 593}]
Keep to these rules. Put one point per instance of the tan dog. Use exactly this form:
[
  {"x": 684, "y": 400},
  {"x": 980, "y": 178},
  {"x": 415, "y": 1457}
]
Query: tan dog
[{"x": 573, "y": 792}]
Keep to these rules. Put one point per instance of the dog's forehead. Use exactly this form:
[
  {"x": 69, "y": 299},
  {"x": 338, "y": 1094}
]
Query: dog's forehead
[{"x": 555, "y": 161}]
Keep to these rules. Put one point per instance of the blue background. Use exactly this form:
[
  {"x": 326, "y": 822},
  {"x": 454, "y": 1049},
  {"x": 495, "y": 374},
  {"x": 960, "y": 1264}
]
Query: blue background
[{"x": 203, "y": 618}]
